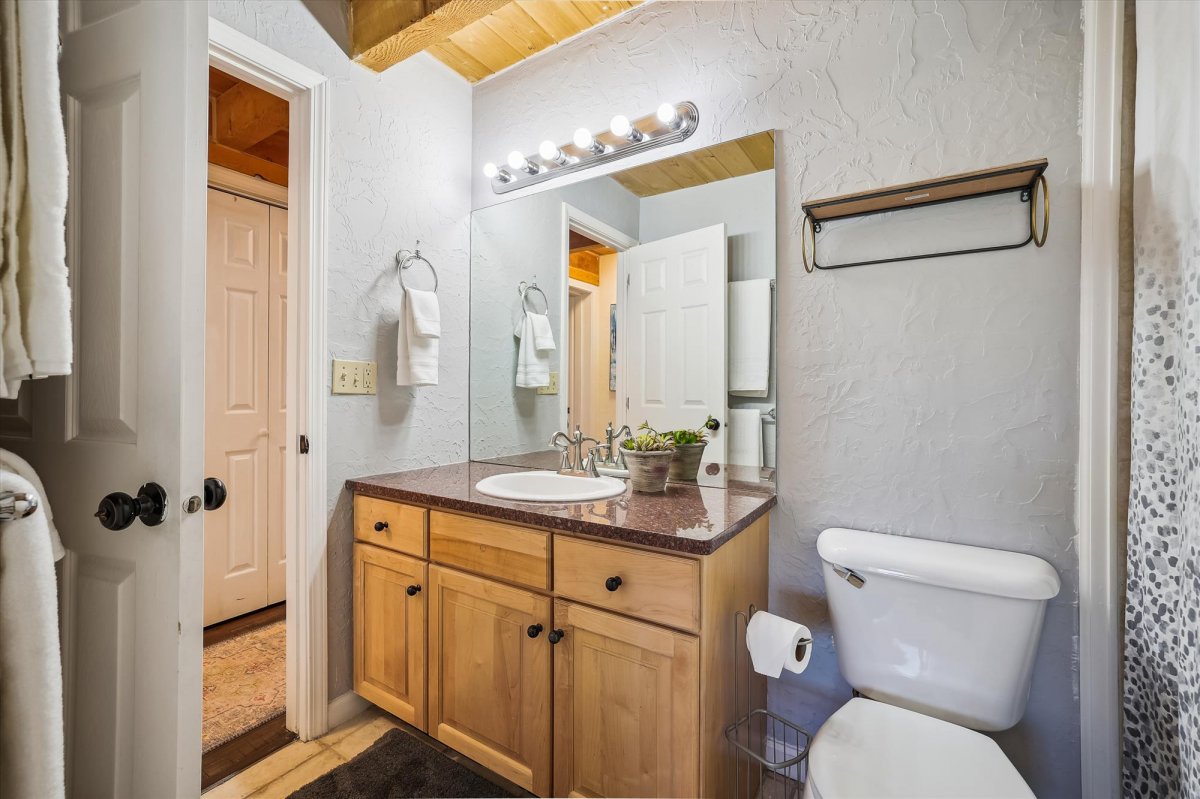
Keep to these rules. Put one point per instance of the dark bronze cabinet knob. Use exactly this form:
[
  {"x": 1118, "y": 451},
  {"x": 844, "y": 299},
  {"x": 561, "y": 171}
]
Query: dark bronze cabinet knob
[
  {"x": 118, "y": 510},
  {"x": 380, "y": 526},
  {"x": 413, "y": 590},
  {"x": 612, "y": 583},
  {"x": 555, "y": 636},
  {"x": 534, "y": 630},
  {"x": 214, "y": 493}
]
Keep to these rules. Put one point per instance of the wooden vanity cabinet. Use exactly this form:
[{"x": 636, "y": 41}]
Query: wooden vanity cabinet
[
  {"x": 543, "y": 667},
  {"x": 389, "y": 632}
]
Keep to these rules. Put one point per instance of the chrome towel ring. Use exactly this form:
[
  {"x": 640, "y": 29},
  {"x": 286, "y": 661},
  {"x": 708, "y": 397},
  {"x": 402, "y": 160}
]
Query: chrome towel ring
[
  {"x": 405, "y": 259},
  {"x": 524, "y": 288}
]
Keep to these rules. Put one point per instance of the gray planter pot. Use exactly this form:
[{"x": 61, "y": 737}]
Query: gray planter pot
[
  {"x": 648, "y": 470},
  {"x": 686, "y": 463}
]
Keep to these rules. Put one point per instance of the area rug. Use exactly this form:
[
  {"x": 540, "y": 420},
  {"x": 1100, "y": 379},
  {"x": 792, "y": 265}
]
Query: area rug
[
  {"x": 398, "y": 766},
  {"x": 244, "y": 683}
]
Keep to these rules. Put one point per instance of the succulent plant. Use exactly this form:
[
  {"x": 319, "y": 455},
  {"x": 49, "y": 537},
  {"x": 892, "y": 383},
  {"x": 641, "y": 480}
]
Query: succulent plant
[
  {"x": 682, "y": 438},
  {"x": 648, "y": 441}
]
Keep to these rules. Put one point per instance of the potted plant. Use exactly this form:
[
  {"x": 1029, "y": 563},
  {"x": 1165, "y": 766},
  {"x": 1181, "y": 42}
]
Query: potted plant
[
  {"x": 648, "y": 456},
  {"x": 689, "y": 448}
]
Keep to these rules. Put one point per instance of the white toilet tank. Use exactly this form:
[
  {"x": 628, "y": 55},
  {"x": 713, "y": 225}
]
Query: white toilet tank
[{"x": 943, "y": 629}]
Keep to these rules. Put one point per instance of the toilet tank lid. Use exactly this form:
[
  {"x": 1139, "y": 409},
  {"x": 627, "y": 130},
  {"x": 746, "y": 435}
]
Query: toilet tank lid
[{"x": 966, "y": 568}]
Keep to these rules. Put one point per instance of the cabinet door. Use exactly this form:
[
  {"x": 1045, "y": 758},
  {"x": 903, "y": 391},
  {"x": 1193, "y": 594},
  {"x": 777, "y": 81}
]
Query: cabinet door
[
  {"x": 626, "y": 707},
  {"x": 489, "y": 681},
  {"x": 389, "y": 632}
]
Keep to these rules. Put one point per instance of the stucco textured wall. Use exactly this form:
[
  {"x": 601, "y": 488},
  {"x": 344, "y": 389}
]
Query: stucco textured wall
[
  {"x": 396, "y": 174},
  {"x": 936, "y": 398}
]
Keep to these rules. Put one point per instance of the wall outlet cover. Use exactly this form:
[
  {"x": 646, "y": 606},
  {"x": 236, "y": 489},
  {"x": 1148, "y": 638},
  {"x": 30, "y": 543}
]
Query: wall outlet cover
[
  {"x": 552, "y": 388},
  {"x": 354, "y": 377}
]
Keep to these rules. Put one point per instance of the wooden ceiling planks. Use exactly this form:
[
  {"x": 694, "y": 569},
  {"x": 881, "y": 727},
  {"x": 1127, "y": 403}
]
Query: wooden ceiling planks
[
  {"x": 247, "y": 128},
  {"x": 722, "y": 161},
  {"x": 475, "y": 38}
]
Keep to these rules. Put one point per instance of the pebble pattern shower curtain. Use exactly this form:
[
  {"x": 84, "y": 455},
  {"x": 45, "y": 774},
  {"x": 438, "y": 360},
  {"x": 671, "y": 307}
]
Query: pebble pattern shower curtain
[{"x": 1162, "y": 623}]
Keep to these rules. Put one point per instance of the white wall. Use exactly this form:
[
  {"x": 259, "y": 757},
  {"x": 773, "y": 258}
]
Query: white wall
[
  {"x": 397, "y": 173},
  {"x": 935, "y": 398}
]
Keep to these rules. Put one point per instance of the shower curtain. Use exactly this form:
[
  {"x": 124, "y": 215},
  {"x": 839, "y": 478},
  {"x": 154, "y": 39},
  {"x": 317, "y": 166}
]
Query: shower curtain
[{"x": 1162, "y": 617}]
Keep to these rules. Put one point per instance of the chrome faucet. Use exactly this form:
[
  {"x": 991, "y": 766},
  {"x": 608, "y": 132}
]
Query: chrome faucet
[
  {"x": 573, "y": 460},
  {"x": 612, "y": 449}
]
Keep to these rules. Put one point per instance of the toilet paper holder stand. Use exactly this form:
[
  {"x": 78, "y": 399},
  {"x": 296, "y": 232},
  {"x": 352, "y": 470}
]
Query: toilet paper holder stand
[{"x": 767, "y": 747}]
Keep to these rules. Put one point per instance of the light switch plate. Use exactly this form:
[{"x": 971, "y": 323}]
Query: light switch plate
[
  {"x": 552, "y": 388},
  {"x": 353, "y": 377}
]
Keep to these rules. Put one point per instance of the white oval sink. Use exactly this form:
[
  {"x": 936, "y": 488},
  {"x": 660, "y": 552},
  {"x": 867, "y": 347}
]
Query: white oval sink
[{"x": 549, "y": 487}]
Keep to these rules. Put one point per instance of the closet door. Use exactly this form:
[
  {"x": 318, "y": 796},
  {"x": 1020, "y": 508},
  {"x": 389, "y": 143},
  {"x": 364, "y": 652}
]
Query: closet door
[
  {"x": 238, "y": 408},
  {"x": 277, "y": 400}
]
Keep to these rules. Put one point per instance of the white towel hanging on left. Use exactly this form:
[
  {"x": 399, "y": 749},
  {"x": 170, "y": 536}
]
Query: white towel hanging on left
[
  {"x": 533, "y": 350},
  {"x": 417, "y": 340}
]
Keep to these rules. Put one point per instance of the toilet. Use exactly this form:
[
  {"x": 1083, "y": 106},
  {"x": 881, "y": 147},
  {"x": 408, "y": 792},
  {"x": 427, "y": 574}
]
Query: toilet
[{"x": 938, "y": 640}]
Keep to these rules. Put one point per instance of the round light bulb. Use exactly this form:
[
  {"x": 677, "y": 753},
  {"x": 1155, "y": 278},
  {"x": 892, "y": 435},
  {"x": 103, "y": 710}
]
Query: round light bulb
[
  {"x": 549, "y": 151},
  {"x": 668, "y": 114},
  {"x": 516, "y": 160},
  {"x": 490, "y": 170},
  {"x": 583, "y": 139},
  {"x": 620, "y": 126}
]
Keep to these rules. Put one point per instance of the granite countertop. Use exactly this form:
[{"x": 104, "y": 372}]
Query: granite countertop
[{"x": 691, "y": 518}]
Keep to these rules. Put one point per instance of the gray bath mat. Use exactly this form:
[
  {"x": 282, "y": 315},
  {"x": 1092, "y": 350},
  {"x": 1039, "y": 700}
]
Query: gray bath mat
[{"x": 395, "y": 767}]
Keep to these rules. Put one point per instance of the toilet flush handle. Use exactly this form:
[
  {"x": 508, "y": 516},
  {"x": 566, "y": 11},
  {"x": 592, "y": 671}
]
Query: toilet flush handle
[{"x": 849, "y": 575}]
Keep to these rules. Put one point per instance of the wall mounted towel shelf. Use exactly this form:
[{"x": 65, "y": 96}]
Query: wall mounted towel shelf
[{"x": 1025, "y": 178}]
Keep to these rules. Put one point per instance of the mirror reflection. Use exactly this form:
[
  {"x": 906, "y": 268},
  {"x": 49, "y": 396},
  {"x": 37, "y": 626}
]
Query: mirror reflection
[{"x": 644, "y": 296}]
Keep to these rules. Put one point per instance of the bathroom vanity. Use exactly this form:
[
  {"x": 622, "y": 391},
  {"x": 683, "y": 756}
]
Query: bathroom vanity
[{"x": 575, "y": 649}]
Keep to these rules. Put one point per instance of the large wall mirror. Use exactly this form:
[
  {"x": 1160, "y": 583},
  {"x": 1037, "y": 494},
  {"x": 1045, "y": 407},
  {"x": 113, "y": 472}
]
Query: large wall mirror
[{"x": 644, "y": 295}]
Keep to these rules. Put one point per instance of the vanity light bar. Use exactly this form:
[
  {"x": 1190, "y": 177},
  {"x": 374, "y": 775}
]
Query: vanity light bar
[{"x": 670, "y": 124}]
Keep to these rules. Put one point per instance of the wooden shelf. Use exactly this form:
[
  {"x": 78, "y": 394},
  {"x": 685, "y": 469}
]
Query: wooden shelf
[{"x": 925, "y": 192}]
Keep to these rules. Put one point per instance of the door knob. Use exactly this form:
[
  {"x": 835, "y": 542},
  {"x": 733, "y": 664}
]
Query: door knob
[
  {"x": 214, "y": 493},
  {"x": 413, "y": 590},
  {"x": 612, "y": 583},
  {"x": 534, "y": 630},
  {"x": 555, "y": 636},
  {"x": 713, "y": 424},
  {"x": 118, "y": 510}
]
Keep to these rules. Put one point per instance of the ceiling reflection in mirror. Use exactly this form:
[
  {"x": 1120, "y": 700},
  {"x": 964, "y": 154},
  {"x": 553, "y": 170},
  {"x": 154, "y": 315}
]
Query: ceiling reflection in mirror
[{"x": 643, "y": 296}]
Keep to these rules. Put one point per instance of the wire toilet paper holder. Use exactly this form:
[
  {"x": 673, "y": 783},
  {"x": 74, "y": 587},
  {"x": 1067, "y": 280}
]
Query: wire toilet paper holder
[{"x": 760, "y": 738}]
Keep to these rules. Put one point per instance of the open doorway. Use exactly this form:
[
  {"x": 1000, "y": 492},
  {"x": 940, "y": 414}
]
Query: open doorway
[
  {"x": 592, "y": 288},
  {"x": 245, "y": 609}
]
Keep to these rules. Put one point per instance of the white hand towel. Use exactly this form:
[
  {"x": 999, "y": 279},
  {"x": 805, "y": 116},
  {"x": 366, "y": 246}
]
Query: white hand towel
[
  {"x": 749, "y": 337},
  {"x": 533, "y": 364},
  {"x": 14, "y": 464},
  {"x": 416, "y": 357},
  {"x": 776, "y": 643},
  {"x": 427, "y": 316},
  {"x": 745, "y": 446},
  {"x": 31, "y": 704},
  {"x": 36, "y": 335},
  {"x": 543, "y": 334}
]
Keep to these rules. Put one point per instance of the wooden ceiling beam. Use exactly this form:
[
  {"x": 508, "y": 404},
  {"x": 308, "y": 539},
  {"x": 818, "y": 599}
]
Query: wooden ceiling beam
[
  {"x": 245, "y": 115},
  {"x": 386, "y": 32}
]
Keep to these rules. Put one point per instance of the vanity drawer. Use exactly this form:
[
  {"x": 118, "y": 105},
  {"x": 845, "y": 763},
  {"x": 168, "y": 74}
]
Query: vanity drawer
[
  {"x": 649, "y": 585},
  {"x": 502, "y": 551},
  {"x": 390, "y": 524}
]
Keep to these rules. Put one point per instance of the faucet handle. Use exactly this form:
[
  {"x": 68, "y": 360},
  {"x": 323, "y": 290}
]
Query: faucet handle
[{"x": 589, "y": 464}]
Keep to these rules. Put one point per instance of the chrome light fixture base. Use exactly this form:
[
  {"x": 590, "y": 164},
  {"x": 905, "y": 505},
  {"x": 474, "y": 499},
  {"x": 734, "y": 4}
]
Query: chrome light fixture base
[{"x": 654, "y": 134}]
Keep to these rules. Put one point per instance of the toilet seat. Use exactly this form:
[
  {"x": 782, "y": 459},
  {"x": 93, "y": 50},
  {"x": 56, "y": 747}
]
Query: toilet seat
[{"x": 873, "y": 750}]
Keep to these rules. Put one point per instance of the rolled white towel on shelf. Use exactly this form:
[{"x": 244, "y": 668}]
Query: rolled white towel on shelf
[{"x": 426, "y": 314}]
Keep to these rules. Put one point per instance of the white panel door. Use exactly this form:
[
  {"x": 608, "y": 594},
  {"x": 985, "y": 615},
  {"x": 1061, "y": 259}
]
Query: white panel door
[
  {"x": 675, "y": 372},
  {"x": 277, "y": 402},
  {"x": 134, "y": 84},
  {"x": 238, "y": 408}
]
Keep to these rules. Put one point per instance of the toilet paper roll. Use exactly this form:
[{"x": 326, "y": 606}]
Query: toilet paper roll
[{"x": 776, "y": 643}]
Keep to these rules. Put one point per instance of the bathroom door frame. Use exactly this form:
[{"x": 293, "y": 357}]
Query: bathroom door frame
[
  {"x": 1100, "y": 528},
  {"x": 305, "y": 509}
]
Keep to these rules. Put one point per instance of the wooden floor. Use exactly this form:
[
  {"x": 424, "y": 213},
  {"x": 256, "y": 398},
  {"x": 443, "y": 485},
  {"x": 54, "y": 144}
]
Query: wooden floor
[{"x": 251, "y": 747}]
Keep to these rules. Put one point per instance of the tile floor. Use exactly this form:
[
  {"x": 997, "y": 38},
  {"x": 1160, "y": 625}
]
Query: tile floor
[{"x": 299, "y": 763}]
